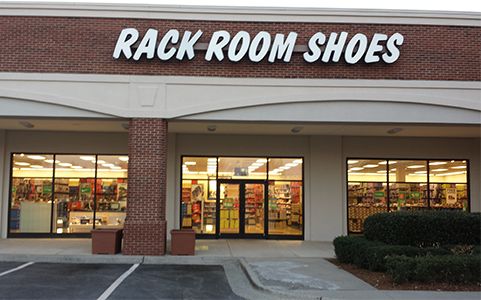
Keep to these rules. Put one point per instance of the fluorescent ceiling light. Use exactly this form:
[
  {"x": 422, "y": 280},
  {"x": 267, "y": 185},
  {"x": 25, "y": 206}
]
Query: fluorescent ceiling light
[
  {"x": 51, "y": 161},
  {"x": 420, "y": 172},
  {"x": 437, "y": 163},
  {"x": 36, "y": 157},
  {"x": 36, "y": 166},
  {"x": 371, "y": 166},
  {"x": 452, "y": 173},
  {"x": 65, "y": 164},
  {"x": 91, "y": 158},
  {"x": 383, "y": 171},
  {"x": 19, "y": 163},
  {"x": 100, "y": 161},
  {"x": 459, "y": 167},
  {"x": 76, "y": 167},
  {"x": 416, "y": 166},
  {"x": 190, "y": 163},
  {"x": 438, "y": 170},
  {"x": 350, "y": 162},
  {"x": 297, "y": 161},
  {"x": 262, "y": 160},
  {"x": 357, "y": 168},
  {"x": 292, "y": 165},
  {"x": 116, "y": 167},
  {"x": 124, "y": 158},
  {"x": 392, "y": 162},
  {"x": 383, "y": 162},
  {"x": 108, "y": 165}
]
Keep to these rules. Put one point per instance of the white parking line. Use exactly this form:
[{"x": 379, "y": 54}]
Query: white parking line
[
  {"x": 16, "y": 269},
  {"x": 117, "y": 282}
]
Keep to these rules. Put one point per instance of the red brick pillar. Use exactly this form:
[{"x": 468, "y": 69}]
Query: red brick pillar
[{"x": 145, "y": 225}]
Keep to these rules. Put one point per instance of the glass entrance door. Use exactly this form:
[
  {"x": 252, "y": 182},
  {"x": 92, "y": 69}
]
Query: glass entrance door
[
  {"x": 229, "y": 200},
  {"x": 241, "y": 208}
]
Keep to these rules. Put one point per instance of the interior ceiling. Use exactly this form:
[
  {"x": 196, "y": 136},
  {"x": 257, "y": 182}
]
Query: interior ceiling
[{"x": 198, "y": 127}]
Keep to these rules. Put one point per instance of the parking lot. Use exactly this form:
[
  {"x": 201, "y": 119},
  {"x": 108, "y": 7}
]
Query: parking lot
[{"x": 112, "y": 281}]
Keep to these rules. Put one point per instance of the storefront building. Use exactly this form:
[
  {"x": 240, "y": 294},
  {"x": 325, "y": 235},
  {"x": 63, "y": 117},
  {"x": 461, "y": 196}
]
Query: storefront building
[{"x": 237, "y": 123}]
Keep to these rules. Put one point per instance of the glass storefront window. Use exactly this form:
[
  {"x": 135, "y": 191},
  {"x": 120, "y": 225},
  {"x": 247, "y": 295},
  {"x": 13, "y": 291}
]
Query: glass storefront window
[
  {"x": 408, "y": 184},
  {"x": 448, "y": 184},
  {"x": 199, "y": 192},
  {"x": 413, "y": 184},
  {"x": 198, "y": 205},
  {"x": 242, "y": 168},
  {"x": 57, "y": 193},
  {"x": 74, "y": 193},
  {"x": 111, "y": 191},
  {"x": 31, "y": 193},
  {"x": 367, "y": 189},
  {"x": 285, "y": 207},
  {"x": 285, "y": 168}
]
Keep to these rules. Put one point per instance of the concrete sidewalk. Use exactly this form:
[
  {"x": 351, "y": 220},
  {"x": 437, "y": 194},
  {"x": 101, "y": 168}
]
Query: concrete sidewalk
[{"x": 55, "y": 250}]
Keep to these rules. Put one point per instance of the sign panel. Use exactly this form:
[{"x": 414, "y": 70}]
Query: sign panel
[{"x": 353, "y": 48}]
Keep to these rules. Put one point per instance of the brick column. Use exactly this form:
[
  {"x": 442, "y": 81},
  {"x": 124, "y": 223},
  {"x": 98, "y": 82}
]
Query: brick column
[{"x": 145, "y": 224}]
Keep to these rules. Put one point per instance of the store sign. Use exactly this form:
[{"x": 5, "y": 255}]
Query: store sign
[{"x": 324, "y": 48}]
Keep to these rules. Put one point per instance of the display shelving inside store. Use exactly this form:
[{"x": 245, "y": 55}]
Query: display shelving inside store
[
  {"x": 78, "y": 187},
  {"x": 376, "y": 185}
]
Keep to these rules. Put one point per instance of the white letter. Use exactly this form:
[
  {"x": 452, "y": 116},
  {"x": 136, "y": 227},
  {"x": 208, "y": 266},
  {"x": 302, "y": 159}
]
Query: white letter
[
  {"x": 396, "y": 39},
  {"x": 187, "y": 46},
  {"x": 374, "y": 47},
  {"x": 359, "y": 40},
  {"x": 282, "y": 48},
  {"x": 264, "y": 38},
  {"x": 316, "y": 40},
  {"x": 147, "y": 45},
  {"x": 242, "y": 37},
  {"x": 127, "y": 38},
  {"x": 170, "y": 36},
  {"x": 333, "y": 47},
  {"x": 218, "y": 41}
]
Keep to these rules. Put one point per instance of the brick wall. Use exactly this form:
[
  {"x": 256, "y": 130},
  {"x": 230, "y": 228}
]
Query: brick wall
[
  {"x": 145, "y": 225},
  {"x": 85, "y": 45}
]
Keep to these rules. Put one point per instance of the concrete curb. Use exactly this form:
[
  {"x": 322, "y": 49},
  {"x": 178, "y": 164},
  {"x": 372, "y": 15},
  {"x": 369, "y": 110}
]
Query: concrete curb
[{"x": 86, "y": 259}]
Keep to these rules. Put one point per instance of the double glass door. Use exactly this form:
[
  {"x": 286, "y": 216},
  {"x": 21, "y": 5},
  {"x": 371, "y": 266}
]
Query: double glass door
[{"x": 241, "y": 208}]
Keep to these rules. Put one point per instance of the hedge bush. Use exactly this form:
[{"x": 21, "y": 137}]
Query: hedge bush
[
  {"x": 447, "y": 268},
  {"x": 424, "y": 228},
  {"x": 372, "y": 255}
]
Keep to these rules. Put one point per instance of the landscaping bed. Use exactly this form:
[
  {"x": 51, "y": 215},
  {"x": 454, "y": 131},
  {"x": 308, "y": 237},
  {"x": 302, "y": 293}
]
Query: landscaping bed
[
  {"x": 383, "y": 281},
  {"x": 416, "y": 251}
]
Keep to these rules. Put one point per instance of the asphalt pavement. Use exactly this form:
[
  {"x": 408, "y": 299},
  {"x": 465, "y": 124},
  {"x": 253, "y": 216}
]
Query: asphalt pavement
[{"x": 91, "y": 281}]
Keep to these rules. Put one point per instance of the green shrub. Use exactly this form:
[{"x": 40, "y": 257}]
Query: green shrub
[
  {"x": 347, "y": 247},
  {"x": 424, "y": 228},
  {"x": 372, "y": 255},
  {"x": 447, "y": 268},
  {"x": 401, "y": 268}
]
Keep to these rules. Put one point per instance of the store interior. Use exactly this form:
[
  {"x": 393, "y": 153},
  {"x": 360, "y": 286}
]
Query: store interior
[
  {"x": 241, "y": 188},
  {"x": 67, "y": 194},
  {"x": 380, "y": 185}
]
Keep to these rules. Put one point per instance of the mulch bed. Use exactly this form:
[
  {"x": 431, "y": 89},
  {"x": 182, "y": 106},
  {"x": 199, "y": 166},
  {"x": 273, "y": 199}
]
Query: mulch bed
[{"x": 383, "y": 281}]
